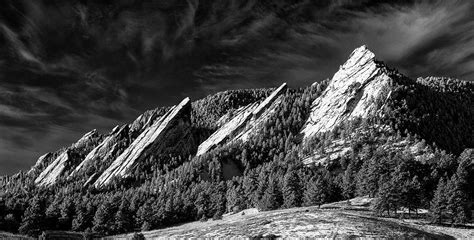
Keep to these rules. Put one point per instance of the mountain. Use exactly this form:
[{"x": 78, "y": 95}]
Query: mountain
[
  {"x": 369, "y": 130},
  {"x": 116, "y": 153},
  {"x": 439, "y": 110},
  {"x": 352, "y": 92}
]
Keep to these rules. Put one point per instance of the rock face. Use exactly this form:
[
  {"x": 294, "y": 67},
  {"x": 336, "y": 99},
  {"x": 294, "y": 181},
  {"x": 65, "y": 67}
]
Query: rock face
[
  {"x": 171, "y": 130},
  {"x": 91, "y": 155},
  {"x": 66, "y": 159},
  {"x": 244, "y": 122},
  {"x": 116, "y": 142},
  {"x": 105, "y": 150},
  {"x": 351, "y": 93},
  {"x": 51, "y": 174},
  {"x": 41, "y": 160}
]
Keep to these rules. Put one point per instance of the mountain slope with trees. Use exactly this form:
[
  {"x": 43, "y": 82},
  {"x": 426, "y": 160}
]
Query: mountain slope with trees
[{"x": 415, "y": 153}]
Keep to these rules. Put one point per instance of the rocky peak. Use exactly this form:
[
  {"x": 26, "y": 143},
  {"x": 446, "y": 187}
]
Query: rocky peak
[
  {"x": 145, "y": 120},
  {"x": 243, "y": 122},
  {"x": 172, "y": 130},
  {"x": 86, "y": 139},
  {"x": 41, "y": 160},
  {"x": 105, "y": 150},
  {"x": 352, "y": 92},
  {"x": 66, "y": 159}
]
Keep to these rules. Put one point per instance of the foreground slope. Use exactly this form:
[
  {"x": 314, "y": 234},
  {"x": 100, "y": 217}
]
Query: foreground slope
[{"x": 332, "y": 221}]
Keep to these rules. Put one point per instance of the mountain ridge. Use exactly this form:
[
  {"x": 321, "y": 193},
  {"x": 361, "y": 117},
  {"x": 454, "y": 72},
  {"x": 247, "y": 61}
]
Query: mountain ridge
[
  {"x": 351, "y": 93},
  {"x": 407, "y": 144}
]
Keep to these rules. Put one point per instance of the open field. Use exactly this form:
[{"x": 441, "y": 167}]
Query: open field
[{"x": 335, "y": 221}]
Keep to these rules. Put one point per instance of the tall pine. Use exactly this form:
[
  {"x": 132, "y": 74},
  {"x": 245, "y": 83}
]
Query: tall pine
[
  {"x": 292, "y": 189},
  {"x": 33, "y": 218},
  {"x": 439, "y": 202}
]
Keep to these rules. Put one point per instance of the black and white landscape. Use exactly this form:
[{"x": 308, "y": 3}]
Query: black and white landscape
[{"x": 236, "y": 119}]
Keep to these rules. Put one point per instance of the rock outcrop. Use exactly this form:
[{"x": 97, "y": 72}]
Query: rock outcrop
[
  {"x": 66, "y": 159},
  {"x": 352, "y": 92},
  {"x": 170, "y": 131},
  {"x": 41, "y": 161},
  {"x": 244, "y": 122},
  {"x": 51, "y": 174},
  {"x": 106, "y": 150}
]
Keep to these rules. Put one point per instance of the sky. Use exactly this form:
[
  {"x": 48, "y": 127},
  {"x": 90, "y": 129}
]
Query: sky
[{"x": 69, "y": 66}]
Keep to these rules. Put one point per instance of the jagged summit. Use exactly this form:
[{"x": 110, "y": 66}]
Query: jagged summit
[
  {"x": 243, "y": 123},
  {"x": 66, "y": 158},
  {"x": 352, "y": 92},
  {"x": 170, "y": 130},
  {"x": 362, "y": 87},
  {"x": 105, "y": 150},
  {"x": 358, "y": 57}
]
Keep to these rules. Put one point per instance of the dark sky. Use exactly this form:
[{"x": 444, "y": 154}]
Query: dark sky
[{"x": 67, "y": 67}]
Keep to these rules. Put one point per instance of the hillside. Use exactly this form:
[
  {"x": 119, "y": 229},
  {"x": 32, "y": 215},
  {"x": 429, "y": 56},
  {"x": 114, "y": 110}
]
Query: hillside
[
  {"x": 348, "y": 219},
  {"x": 369, "y": 130}
]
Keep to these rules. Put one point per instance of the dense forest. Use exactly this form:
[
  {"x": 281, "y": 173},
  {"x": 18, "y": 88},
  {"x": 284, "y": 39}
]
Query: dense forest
[{"x": 415, "y": 155}]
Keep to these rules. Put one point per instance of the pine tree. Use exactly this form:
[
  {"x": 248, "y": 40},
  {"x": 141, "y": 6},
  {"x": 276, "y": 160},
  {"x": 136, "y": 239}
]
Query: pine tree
[
  {"x": 439, "y": 202},
  {"x": 202, "y": 204},
  {"x": 218, "y": 201},
  {"x": 292, "y": 189},
  {"x": 315, "y": 193},
  {"x": 32, "y": 221},
  {"x": 457, "y": 201},
  {"x": 348, "y": 182},
  {"x": 103, "y": 218},
  {"x": 123, "y": 218},
  {"x": 144, "y": 215},
  {"x": 368, "y": 177},
  {"x": 388, "y": 196},
  {"x": 78, "y": 223},
  {"x": 234, "y": 197},
  {"x": 413, "y": 195},
  {"x": 272, "y": 198}
]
